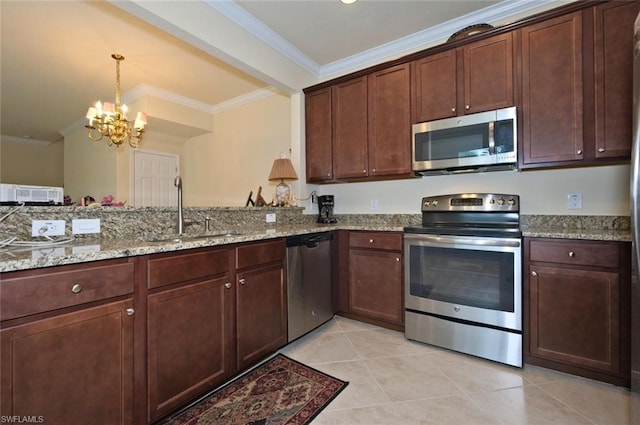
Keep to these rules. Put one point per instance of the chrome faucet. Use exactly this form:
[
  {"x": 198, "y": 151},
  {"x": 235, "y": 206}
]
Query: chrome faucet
[{"x": 177, "y": 182}]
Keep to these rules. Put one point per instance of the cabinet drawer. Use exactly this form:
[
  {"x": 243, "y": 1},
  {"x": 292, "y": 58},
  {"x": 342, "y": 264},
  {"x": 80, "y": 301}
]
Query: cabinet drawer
[
  {"x": 379, "y": 240},
  {"x": 260, "y": 253},
  {"x": 24, "y": 295},
  {"x": 584, "y": 253},
  {"x": 166, "y": 270}
]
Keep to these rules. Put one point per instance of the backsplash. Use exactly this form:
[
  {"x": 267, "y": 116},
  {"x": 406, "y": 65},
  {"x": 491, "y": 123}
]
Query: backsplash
[{"x": 133, "y": 222}]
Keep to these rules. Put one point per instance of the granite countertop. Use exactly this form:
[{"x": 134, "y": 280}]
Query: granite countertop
[
  {"x": 93, "y": 249},
  {"x": 83, "y": 249}
]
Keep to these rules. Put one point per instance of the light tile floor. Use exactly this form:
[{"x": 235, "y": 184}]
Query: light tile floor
[{"x": 399, "y": 382}]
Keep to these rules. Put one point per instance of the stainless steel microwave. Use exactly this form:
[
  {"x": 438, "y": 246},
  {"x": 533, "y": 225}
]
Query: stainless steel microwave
[{"x": 485, "y": 141}]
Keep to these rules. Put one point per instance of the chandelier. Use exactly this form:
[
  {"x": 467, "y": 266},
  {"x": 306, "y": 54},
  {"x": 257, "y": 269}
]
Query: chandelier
[{"x": 107, "y": 119}]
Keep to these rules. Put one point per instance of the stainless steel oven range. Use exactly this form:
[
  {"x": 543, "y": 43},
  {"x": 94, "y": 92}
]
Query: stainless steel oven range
[{"x": 463, "y": 276}]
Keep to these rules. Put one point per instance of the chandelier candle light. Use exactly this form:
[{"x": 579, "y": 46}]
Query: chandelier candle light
[{"x": 107, "y": 119}]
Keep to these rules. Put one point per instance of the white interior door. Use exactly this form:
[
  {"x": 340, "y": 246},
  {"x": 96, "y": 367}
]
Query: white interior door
[{"x": 153, "y": 175}]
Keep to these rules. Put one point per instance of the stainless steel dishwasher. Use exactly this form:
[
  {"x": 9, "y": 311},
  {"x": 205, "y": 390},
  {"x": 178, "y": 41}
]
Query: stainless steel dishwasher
[{"x": 309, "y": 282}]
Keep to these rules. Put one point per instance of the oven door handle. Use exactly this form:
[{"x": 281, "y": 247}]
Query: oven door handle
[{"x": 461, "y": 240}]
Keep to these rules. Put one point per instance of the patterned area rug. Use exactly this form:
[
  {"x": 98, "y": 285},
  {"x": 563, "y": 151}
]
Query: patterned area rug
[{"x": 281, "y": 391}]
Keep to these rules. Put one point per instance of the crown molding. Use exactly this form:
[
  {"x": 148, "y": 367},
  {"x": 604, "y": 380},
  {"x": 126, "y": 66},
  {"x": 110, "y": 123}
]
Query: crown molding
[
  {"x": 499, "y": 12},
  {"x": 25, "y": 140},
  {"x": 255, "y": 27}
]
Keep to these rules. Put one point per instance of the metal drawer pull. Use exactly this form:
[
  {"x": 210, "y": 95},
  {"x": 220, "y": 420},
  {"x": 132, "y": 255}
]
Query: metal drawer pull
[
  {"x": 601, "y": 150},
  {"x": 227, "y": 285},
  {"x": 572, "y": 254},
  {"x": 76, "y": 288},
  {"x": 130, "y": 311},
  {"x": 370, "y": 240},
  {"x": 533, "y": 273},
  {"x": 242, "y": 281}
]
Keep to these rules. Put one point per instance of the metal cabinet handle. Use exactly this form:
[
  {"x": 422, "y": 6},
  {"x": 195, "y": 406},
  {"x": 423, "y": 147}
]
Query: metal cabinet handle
[
  {"x": 533, "y": 273},
  {"x": 364, "y": 171},
  {"x": 371, "y": 240},
  {"x": 453, "y": 109},
  {"x": 397, "y": 259},
  {"x": 242, "y": 281},
  {"x": 467, "y": 107},
  {"x": 130, "y": 311},
  {"x": 601, "y": 150},
  {"x": 572, "y": 254},
  {"x": 579, "y": 152},
  {"x": 227, "y": 285},
  {"x": 76, "y": 289}
]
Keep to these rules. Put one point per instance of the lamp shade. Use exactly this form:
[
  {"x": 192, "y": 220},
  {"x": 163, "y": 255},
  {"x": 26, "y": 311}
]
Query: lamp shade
[{"x": 282, "y": 169}]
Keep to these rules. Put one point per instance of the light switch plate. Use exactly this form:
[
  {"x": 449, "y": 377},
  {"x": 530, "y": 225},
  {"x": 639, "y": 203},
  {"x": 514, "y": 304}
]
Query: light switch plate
[{"x": 82, "y": 226}]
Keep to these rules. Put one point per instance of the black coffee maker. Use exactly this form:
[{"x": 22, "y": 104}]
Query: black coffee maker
[{"x": 325, "y": 209}]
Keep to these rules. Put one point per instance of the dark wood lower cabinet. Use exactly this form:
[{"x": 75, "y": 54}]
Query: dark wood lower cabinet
[
  {"x": 373, "y": 279},
  {"x": 73, "y": 368},
  {"x": 261, "y": 313},
  {"x": 577, "y": 308},
  {"x": 191, "y": 345}
]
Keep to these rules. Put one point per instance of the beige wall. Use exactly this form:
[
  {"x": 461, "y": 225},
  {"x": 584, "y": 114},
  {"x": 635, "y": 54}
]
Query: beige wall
[
  {"x": 32, "y": 163},
  {"x": 605, "y": 191},
  {"x": 220, "y": 169}
]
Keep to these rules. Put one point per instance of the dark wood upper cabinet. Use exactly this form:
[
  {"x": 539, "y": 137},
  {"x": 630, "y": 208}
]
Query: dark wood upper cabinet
[
  {"x": 552, "y": 103},
  {"x": 434, "y": 91},
  {"x": 613, "y": 72},
  {"x": 361, "y": 128},
  {"x": 349, "y": 113},
  {"x": 474, "y": 78},
  {"x": 319, "y": 150},
  {"x": 389, "y": 118},
  {"x": 488, "y": 74}
]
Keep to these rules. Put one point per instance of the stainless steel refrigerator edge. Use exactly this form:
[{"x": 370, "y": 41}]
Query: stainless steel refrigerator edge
[
  {"x": 635, "y": 226},
  {"x": 309, "y": 282}
]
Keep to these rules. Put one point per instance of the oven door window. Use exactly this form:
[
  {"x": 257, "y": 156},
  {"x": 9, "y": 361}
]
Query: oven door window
[{"x": 475, "y": 278}]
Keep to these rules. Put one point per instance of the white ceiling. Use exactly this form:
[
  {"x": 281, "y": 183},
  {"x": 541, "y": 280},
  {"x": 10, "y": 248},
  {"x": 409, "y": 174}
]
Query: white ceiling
[{"x": 55, "y": 55}]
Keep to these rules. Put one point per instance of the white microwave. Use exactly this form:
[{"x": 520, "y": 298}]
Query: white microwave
[{"x": 485, "y": 141}]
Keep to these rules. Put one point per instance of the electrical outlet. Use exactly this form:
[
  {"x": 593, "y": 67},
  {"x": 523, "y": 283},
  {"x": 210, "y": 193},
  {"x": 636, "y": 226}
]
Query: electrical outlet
[
  {"x": 574, "y": 201},
  {"x": 374, "y": 204},
  {"x": 85, "y": 225},
  {"x": 271, "y": 218},
  {"x": 47, "y": 227}
]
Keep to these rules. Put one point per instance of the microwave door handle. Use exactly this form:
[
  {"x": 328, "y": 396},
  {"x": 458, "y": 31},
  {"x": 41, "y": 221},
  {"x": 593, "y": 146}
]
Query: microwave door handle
[{"x": 492, "y": 140}]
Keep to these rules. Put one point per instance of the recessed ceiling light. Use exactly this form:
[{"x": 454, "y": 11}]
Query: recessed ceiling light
[{"x": 348, "y": 1}]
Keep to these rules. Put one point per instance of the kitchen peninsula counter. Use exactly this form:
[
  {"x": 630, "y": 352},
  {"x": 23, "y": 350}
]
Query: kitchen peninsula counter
[
  {"x": 118, "y": 243},
  {"x": 83, "y": 249}
]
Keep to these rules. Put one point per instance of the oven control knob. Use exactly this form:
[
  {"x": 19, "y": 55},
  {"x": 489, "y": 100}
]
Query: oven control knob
[
  {"x": 427, "y": 203},
  {"x": 434, "y": 203},
  {"x": 492, "y": 201},
  {"x": 501, "y": 201},
  {"x": 512, "y": 201},
  {"x": 456, "y": 309}
]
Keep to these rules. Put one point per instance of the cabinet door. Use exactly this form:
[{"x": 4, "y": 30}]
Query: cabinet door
[
  {"x": 261, "y": 313},
  {"x": 318, "y": 135},
  {"x": 552, "y": 91},
  {"x": 389, "y": 121},
  {"x": 574, "y": 317},
  {"x": 190, "y": 343},
  {"x": 349, "y": 101},
  {"x": 434, "y": 87},
  {"x": 613, "y": 26},
  {"x": 375, "y": 285},
  {"x": 70, "y": 368},
  {"x": 488, "y": 74}
]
